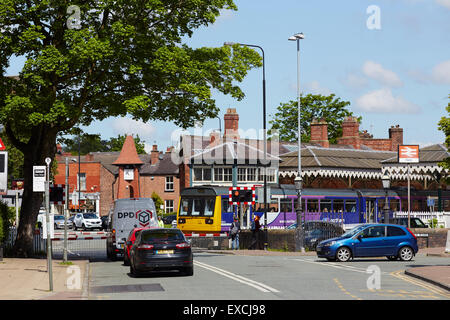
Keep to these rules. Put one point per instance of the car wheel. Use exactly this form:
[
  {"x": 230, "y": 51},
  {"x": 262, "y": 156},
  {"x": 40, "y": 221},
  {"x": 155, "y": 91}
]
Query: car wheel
[
  {"x": 343, "y": 254},
  {"x": 392, "y": 258},
  {"x": 406, "y": 253}
]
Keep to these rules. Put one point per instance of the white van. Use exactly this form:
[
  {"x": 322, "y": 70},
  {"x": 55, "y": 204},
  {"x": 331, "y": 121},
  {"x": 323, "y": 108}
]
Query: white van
[{"x": 126, "y": 215}]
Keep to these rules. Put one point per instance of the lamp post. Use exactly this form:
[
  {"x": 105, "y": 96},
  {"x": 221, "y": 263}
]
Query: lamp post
[
  {"x": 298, "y": 180},
  {"x": 386, "y": 184},
  {"x": 265, "y": 136},
  {"x": 298, "y": 210}
]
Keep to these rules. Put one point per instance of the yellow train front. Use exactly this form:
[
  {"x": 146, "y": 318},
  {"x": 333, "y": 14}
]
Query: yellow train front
[{"x": 204, "y": 210}]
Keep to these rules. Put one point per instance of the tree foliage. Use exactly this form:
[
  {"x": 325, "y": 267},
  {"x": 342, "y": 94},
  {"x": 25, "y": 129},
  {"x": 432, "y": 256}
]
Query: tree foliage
[
  {"x": 312, "y": 106},
  {"x": 444, "y": 126},
  {"x": 120, "y": 58}
]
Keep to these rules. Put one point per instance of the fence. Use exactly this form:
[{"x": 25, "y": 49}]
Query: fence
[
  {"x": 443, "y": 218},
  {"x": 85, "y": 245}
]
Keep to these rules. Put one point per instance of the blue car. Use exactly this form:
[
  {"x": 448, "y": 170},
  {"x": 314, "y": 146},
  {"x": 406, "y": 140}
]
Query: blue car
[{"x": 371, "y": 240}]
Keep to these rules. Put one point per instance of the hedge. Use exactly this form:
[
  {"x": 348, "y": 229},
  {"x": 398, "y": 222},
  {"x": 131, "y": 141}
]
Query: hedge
[{"x": 6, "y": 214}]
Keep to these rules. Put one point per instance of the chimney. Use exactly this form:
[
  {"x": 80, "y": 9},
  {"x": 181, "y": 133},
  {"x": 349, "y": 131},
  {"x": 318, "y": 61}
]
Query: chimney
[
  {"x": 231, "y": 119},
  {"x": 396, "y": 137},
  {"x": 89, "y": 157},
  {"x": 319, "y": 133},
  {"x": 350, "y": 133},
  {"x": 214, "y": 138},
  {"x": 154, "y": 155}
]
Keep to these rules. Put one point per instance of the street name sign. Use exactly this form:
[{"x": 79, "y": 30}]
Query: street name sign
[{"x": 39, "y": 174}]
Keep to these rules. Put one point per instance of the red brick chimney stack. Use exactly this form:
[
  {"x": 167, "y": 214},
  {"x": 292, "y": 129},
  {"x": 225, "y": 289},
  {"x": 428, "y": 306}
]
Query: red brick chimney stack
[
  {"x": 231, "y": 119},
  {"x": 154, "y": 155},
  {"x": 319, "y": 133},
  {"x": 396, "y": 137},
  {"x": 350, "y": 132}
]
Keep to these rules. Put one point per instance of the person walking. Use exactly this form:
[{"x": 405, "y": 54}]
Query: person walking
[
  {"x": 234, "y": 233},
  {"x": 160, "y": 222},
  {"x": 256, "y": 226}
]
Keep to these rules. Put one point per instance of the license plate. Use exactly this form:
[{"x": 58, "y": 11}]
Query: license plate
[{"x": 164, "y": 251}]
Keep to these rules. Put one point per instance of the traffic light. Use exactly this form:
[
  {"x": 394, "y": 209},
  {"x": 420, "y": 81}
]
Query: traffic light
[
  {"x": 57, "y": 194},
  {"x": 242, "y": 195}
]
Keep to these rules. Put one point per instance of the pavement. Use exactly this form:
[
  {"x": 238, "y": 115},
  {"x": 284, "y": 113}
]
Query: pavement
[{"x": 27, "y": 279}]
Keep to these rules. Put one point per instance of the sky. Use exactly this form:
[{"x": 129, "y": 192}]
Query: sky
[{"x": 389, "y": 58}]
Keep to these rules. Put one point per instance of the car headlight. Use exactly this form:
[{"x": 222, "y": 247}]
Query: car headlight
[{"x": 329, "y": 244}]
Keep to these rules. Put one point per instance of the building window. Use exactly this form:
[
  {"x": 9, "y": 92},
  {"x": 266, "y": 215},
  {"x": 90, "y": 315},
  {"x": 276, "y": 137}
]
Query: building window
[
  {"x": 202, "y": 174},
  {"x": 168, "y": 205},
  {"x": 81, "y": 181},
  {"x": 223, "y": 174},
  {"x": 271, "y": 173},
  {"x": 169, "y": 184}
]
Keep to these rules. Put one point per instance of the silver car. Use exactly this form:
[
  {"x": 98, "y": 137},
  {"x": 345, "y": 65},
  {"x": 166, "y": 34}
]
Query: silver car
[{"x": 59, "y": 222}]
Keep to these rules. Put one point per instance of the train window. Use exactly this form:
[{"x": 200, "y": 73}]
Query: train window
[
  {"x": 338, "y": 205},
  {"x": 226, "y": 206},
  {"x": 350, "y": 205},
  {"x": 312, "y": 205},
  {"x": 394, "y": 204},
  {"x": 209, "y": 207},
  {"x": 197, "y": 207},
  {"x": 184, "y": 206},
  {"x": 286, "y": 205},
  {"x": 325, "y": 205},
  {"x": 380, "y": 205}
]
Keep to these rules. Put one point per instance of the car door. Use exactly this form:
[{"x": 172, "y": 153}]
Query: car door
[
  {"x": 370, "y": 242},
  {"x": 394, "y": 236}
]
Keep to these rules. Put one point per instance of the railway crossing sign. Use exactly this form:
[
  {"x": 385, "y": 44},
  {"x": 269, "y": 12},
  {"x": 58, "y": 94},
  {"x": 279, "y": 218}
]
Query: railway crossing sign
[{"x": 241, "y": 195}]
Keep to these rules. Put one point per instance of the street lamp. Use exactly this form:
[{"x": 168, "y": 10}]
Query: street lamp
[
  {"x": 298, "y": 180},
  {"x": 386, "y": 184},
  {"x": 265, "y": 135}
]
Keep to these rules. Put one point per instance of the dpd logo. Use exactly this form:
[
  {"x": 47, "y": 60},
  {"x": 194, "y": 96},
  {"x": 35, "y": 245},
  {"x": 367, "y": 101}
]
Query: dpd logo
[{"x": 144, "y": 217}]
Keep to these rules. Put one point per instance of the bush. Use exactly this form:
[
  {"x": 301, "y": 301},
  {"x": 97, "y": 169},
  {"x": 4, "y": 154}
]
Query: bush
[{"x": 6, "y": 214}]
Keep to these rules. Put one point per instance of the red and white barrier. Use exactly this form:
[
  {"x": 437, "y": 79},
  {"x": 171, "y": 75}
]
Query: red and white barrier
[{"x": 218, "y": 234}]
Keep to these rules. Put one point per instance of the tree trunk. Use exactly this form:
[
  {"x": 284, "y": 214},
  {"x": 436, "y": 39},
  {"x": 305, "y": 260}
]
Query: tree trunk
[{"x": 40, "y": 147}]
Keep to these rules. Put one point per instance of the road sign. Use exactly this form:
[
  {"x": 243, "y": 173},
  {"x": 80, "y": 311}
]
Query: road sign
[
  {"x": 244, "y": 195},
  {"x": 2, "y": 145},
  {"x": 39, "y": 174},
  {"x": 3, "y": 172},
  {"x": 408, "y": 154}
]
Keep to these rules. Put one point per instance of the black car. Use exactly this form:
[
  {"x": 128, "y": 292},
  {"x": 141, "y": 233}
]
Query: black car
[
  {"x": 161, "y": 249},
  {"x": 414, "y": 222},
  {"x": 104, "y": 222},
  {"x": 168, "y": 219}
]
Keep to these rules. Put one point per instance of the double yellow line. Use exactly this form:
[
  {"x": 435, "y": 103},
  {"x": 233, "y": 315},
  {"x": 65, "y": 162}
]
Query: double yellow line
[{"x": 434, "y": 289}]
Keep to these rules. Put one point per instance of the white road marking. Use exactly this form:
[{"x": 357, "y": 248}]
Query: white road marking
[
  {"x": 337, "y": 266},
  {"x": 257, "y": 285}
]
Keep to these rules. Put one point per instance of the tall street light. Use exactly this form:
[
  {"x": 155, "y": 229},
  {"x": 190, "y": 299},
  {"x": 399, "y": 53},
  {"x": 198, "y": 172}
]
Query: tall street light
[
  {"x": 386, "y": 184},
  {"x": 298, "y": 180},
  {"x": 265, "y": 136}
]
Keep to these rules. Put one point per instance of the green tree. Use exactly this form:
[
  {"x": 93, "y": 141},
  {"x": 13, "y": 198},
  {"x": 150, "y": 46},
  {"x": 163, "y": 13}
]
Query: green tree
[
  {"x": 313, "y": 106},
  {"x": 444, "y": 125},
  {"x": 158, "y": 202},
  {"x": 121, "y": 58},
  {"x": 85, "y": 142},
  {"x": 115, "y": 144}
]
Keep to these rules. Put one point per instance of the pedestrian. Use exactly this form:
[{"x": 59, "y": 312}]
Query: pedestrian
[
  {"x": 234, "y": 234},
  {"x": 160, "y": 222},
  {"x": 256, "y": 226}
]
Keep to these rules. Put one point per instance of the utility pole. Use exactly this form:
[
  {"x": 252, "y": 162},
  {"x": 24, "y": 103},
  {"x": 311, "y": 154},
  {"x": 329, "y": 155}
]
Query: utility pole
[
  {"x": 66, "y": 210},
  {"x": 49, "y": 240}
]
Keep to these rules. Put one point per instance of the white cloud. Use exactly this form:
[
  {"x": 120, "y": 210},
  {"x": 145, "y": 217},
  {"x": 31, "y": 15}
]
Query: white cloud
[
  {"x": 386, "y": 77},
  {"x": 314, "y": 87},
  {"x": 441, "y": 73},
  {"x": 444, "y": 3},
  {"x": 383, "y": 101},
  {"x": 355, "y": 81},
  {"x": 146, "y": 131}
]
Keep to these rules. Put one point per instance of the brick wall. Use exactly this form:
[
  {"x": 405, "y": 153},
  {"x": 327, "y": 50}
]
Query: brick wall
[
  {"x": 430, "y": 238},
  {"x": 378, "y": 144},
  {"x": 150, "y": 184},
  {"x": 106, "y": 191}
]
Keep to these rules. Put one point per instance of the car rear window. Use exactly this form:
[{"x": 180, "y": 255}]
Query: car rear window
[
  {"x": 161, "y": 235},
  {"x": 59, "y": 217},
  {"x": 395, "y": 231}
]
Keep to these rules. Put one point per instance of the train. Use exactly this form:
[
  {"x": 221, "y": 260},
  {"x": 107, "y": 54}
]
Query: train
[{"x": 208, "y": 208}]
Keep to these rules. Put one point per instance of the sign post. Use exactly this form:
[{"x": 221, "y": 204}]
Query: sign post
[
  {"x": 408, "y": 154},
  {"x": 49, "y": 240}
]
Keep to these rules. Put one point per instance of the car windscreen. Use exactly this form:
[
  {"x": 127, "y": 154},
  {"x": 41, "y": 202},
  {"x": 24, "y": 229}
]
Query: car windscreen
[
  {"x": 161, "y": 235},
  {"x": 419, "y": 223},
  {"x": 90, "y": 216},
  {"x": 352, "y": 232},
  {"x": 58, "y": 217}
]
